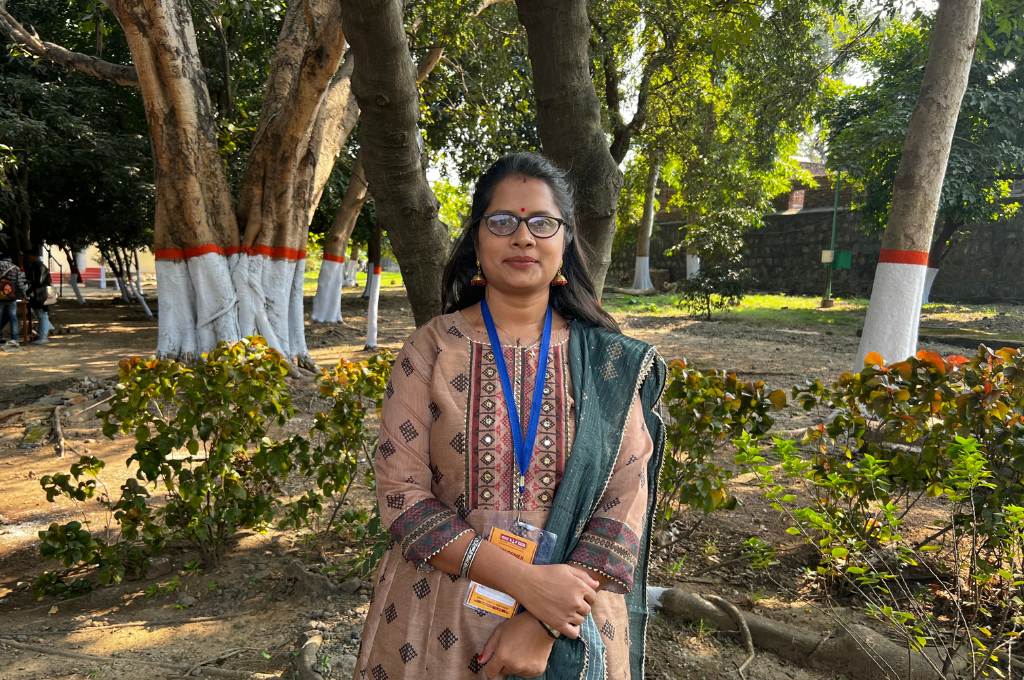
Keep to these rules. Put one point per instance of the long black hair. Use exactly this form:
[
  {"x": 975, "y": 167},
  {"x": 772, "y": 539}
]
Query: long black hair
[{"x": 575, "y": 300}]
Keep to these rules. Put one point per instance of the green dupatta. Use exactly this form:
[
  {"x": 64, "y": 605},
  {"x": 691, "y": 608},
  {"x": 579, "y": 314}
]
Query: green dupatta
[{"x": 607, "y": 370}]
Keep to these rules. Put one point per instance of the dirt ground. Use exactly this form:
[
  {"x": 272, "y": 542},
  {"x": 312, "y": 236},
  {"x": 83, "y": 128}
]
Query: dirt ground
[{"x": 252, "y": 613}]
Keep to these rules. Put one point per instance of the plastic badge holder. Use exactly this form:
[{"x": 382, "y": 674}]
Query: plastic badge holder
[{"x": 523, "y": 541}]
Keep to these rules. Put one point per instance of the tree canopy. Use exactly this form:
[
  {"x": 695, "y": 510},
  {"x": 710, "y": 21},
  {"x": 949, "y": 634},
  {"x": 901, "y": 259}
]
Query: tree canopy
[{"x": 867, "y": 124}]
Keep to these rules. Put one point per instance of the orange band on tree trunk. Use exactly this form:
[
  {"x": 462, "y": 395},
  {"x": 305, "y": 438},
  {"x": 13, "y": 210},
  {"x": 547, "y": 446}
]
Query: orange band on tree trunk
[{"x": 918, "y": 257}]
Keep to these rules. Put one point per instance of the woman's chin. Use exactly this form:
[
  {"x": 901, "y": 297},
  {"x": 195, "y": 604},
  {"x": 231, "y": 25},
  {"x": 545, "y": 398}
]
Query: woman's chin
[{"x": 516, "y": 285}]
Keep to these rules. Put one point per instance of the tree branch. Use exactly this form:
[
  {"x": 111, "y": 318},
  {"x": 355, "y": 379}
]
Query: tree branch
[
  {"x": 623, "y": 135},
  {"x": 225, "y": 54},
  {"x": 75, "y": 61}
]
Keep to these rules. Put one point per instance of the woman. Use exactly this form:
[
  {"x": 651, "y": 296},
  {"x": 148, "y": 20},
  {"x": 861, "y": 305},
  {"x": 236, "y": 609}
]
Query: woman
[{"x": 579, "y": 457}]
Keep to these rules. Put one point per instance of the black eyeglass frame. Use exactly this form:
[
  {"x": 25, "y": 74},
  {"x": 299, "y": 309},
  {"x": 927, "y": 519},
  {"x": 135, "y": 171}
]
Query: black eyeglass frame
[{"x": 561, "y": 223}]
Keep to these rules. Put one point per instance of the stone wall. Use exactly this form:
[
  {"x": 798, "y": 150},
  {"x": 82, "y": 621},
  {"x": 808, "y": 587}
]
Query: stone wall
[{"x": 987, "y": 265}]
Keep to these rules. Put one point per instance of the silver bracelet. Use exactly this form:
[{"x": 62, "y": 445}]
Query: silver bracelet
[{"x": 471, "y": 550}]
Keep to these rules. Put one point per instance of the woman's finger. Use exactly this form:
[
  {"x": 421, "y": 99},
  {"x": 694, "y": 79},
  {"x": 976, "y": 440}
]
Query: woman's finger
[
  {"x": 495, "y": 666},
  {"x": 488, "y": 651},
  {"x": 582, "y": 575}
]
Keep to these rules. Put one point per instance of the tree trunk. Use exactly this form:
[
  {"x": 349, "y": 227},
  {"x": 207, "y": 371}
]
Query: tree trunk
[
  {"x": 216, "y": 282},
  {"x": 692, "y": 266},
  {"x": 75, "y": 274},
  {"x": 195, "y": 231},
  {"x": 940, "y": 248},
  {"x": 327, "y": 301},
  {"x": 569, "y": 119},
  {"x": 352, "y": 265},
  {"x": 373, "y": 280},
  {"x": 333, "y": 268},
  {"x": 894, "y": 312},
  {"x": 384, "y": 82},
  {"x": 642, "y": 269},
  {"x": 284, "y": 179}
]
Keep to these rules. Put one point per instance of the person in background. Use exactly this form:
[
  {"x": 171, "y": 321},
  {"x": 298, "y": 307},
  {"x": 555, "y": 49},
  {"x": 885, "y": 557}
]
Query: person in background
[
  {"x": 13, "y": 287},
  {"x": 38, "y": 293}
]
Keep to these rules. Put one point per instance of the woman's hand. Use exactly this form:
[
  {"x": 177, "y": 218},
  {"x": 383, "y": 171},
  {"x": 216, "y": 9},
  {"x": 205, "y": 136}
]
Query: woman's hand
[
  {"x": 519, "y": 646},
  {"x": 560, "y": 595}
]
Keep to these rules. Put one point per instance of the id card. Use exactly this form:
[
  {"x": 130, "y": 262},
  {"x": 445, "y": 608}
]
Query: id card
[{"x": 524, "y": 542}]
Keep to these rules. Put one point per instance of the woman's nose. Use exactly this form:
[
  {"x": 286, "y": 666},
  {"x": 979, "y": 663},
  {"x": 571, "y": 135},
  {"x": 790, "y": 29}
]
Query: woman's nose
[{"x": 522, "y": 236}]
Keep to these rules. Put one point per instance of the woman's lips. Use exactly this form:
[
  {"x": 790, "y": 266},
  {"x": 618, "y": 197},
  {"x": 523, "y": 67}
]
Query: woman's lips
[{"x": 521, "y": 262}]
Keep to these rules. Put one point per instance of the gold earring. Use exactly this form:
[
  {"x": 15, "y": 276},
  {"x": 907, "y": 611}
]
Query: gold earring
[
  {"x": 559, "y": 279},
  {"x": 478, "y": 278}
]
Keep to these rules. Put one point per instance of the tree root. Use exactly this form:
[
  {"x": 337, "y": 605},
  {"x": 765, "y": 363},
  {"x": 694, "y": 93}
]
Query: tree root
[
  {"x": 304, "y": 663},
  {"x": 737, "y": 616},
  {"x": 306, "y": 362},
  {"x": 857, "y": 651},
  {"x": 177, "y": 670}
]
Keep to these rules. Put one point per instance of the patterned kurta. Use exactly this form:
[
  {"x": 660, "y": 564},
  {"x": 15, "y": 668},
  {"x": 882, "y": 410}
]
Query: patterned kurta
[{"x": 445, "y": 465}]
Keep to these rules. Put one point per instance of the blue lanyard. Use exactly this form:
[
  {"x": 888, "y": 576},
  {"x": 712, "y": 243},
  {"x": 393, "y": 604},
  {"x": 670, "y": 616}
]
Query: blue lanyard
[{"x": 523, "y": 445}]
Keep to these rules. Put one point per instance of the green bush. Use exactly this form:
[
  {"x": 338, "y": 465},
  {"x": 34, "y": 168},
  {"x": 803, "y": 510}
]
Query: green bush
[
  {"x": 203, "y": 433},
  {"x": 705, "y": 411},
  {"x": 886, "y": 440},
  {"x": 340, "y": 456}
]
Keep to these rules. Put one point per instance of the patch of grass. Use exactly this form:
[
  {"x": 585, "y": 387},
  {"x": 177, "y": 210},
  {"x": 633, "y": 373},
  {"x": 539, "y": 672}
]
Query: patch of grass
[
  {"x": 663, "y": 304},
  {"x": 388, "y": 279},
  {"x": 800, "y": 311},
  {"x": 797, "y": 311}
]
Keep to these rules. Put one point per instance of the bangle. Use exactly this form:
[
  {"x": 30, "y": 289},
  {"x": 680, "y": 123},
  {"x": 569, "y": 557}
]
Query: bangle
[
  {"x": 471, "y": 550},
  {"x": 549, "y": 630}
]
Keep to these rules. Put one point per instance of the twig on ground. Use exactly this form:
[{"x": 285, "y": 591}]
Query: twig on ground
[
  {"x": 220, "y": 657},
  {"x": 58, "y": 431},
  {"x": 92, "y": 406}
]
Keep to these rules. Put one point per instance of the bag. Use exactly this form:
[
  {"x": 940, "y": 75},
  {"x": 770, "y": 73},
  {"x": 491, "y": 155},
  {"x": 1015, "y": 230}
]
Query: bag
[{"x": 8, "y": 284}]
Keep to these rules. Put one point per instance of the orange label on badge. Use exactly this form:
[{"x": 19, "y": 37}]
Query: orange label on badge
[{"x": 494, "y": 601}]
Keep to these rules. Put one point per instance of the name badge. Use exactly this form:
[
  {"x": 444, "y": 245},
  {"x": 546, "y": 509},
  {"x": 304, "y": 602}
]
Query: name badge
[{"x": 522, "y": 541}]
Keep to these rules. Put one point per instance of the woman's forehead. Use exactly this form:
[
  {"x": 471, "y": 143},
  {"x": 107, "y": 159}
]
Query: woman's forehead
[{"x": 523, "y": 195}]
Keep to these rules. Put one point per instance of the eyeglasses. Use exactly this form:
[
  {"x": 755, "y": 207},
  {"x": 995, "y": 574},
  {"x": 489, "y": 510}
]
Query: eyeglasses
[{"x": 506, "y": 224}]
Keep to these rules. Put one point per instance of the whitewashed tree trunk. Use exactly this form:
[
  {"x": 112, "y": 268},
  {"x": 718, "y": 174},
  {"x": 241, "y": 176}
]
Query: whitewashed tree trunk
[
  {"x": 894, "y": 312},
  {"x": 329, "y": 284},
  {"x": 351, "y": 268},
  {"x": 642, "y": 273},
  {"x": 642, "y": 267},
  {"x": 373, "y": 277},
  {"x": 327, "y": 301},
  {"x": 74, "y": 286},
  {"x": 929, "y": 279},
  {"x": 692, "y": 266},
  {"x": 76, "y": 263}
]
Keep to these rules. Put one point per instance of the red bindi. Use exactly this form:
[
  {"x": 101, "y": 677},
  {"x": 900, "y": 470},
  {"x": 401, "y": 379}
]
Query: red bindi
[{"x": 522, "y": 210}]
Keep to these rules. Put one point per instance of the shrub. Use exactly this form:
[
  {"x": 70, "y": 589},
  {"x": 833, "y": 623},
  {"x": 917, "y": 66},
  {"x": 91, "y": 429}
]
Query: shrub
[
  {"x": 340, "y": 456},
  {"x": 887, "y": 439},
  {"x": 705, "y": 411},
  {"x": 203, "y": 432}
]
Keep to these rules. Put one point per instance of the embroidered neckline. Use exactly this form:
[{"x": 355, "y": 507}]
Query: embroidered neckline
[{"x": 479, "y": 337}]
